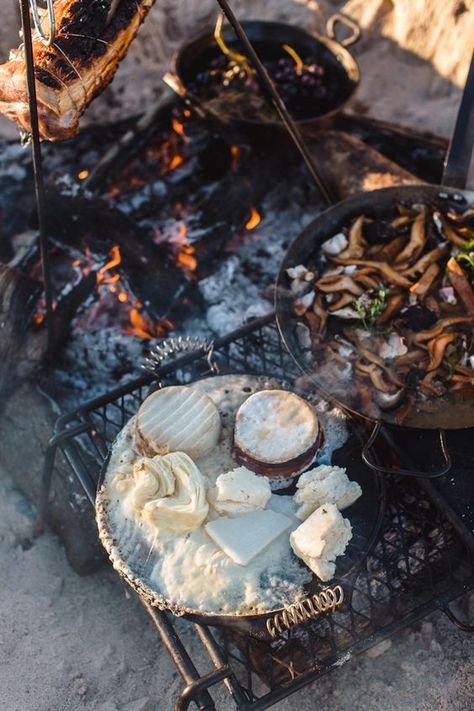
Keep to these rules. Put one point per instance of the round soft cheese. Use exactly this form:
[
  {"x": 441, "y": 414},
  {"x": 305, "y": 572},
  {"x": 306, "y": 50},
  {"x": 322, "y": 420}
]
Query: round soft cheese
[
  {"x": 178, "y": 419},
  {"x": 276, "y": 433}
]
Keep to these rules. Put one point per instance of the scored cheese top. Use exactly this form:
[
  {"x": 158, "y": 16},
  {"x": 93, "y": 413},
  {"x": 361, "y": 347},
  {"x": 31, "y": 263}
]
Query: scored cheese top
[
  {"x": 275, "y": 426},
  {"x": 178, "y": 419}
]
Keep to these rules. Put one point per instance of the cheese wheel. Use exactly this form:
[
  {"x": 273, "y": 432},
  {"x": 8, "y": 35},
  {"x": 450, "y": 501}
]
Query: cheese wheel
[
  {"x": 276, "y": 433},
  {"x": 178, "y": 419}
]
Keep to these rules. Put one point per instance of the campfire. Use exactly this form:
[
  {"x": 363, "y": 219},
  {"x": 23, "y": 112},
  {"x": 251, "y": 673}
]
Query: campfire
[{"x": 223, "y": 314}]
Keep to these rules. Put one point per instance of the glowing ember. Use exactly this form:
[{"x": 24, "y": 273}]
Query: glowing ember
[
  {"x": 83, "y": 174},
  {"x": 178, "y": 128},
  {"x": 253, "y": 220},
  {"x": 176, "y": 161},
  {"x": 235, "y": 155}
]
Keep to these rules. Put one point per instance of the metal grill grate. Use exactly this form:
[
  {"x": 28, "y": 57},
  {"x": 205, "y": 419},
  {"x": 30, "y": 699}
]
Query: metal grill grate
[{"x": 419, "y": 563}]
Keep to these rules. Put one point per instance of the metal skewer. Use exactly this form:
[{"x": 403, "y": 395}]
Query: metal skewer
[
  {"x": 37, "y": 162},
  {"x": 278, "y": 103}
]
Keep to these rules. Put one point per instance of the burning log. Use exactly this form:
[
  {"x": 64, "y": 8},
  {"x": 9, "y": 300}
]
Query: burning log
[{"x": 351, "y": 166}]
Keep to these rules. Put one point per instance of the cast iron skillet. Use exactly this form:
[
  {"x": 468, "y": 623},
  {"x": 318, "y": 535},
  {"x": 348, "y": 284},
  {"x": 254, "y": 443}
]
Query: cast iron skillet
[
  {"x": 457, "y": 413},
  {"x": 132, "y": 558},
  {"x": 195, "y": 56}
]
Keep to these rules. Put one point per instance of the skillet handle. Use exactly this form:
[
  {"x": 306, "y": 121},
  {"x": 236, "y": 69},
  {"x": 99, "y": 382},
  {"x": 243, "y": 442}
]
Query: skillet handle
[
  {"x": 370, "y": 461},
  {"x": 349, "y": 23},
  {"x": 458, "y": 158},
  {"x": 305, "y": 610}
]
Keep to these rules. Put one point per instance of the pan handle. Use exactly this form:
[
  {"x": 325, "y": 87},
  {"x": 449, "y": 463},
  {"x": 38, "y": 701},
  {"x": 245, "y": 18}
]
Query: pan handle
[
  {"x": 349, "y": 23},
  {"x": 370, "y": 461},
  {"x": 458, "y": 157},
  {"x": 305, "y": 610}
]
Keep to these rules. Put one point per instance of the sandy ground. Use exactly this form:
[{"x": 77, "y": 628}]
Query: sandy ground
[{"x": 70, "y": 643}]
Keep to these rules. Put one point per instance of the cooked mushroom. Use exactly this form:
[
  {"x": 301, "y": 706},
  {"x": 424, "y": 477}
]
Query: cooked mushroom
[
  {"x": 356, "y": 242},
  {"x": 423, "y": 285},
  {"x": 394, "y": 305},
  {"x": 441, "y": 326},
  {"x": 447, "y": 231},
  {"x": 340, "y": 283},
  {"x": 392, "y": 276},
  {"x": 437, "y": 349},
  {"x": 460, "y": 284},
  {"x": 376, "y": 376},
  {"x": 416, "y": 242},
  {"x": 424, "y": 262},
  {"x": 344, "y": 300}
]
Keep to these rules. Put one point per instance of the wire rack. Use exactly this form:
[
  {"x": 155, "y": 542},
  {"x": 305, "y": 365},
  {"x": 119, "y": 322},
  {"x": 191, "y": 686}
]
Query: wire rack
[{"x": 420, "y": 562}]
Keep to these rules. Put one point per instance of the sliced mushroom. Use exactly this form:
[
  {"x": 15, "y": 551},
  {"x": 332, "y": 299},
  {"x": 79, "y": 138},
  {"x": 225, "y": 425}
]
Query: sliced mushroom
[
  {"x": 447, "y": 231},
  {"x": 460, "y": 284},
  {"x": 414, "y": 356},
  {"x": 376, "y": 376},
  {"x": 416, "y": 242},
  {"x": 356, "y": 243},
  {"x": 341, "y": 283},
  {"x": 390, "y": 251},
  {"x": 390, "y": 275},
  {"x": 394, "y": 305},
  {"x": 424, "y": 262},
  {"x": 423, "y": 336},
  {"x": 423, "y": 285},
  {"x": 320, "y": 312},
  {"x": 437, "y": 349},
  {"x": 344, "y": 300}
]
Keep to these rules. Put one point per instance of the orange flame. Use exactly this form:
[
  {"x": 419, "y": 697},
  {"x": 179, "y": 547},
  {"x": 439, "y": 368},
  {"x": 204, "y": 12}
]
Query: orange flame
[
  {"x": 114, "y": 261},
  {"x": 253, "y": 220},
  {"x": 235, "y": 155}
]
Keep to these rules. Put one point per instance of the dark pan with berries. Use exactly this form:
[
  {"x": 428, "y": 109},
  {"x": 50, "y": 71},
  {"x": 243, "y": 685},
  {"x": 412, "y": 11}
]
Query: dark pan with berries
[
  {"x": 375, "y": 299},
  {"x": 315, "y": 75}
]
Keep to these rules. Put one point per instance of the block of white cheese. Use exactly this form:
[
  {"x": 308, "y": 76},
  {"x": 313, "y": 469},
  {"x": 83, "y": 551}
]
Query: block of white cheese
[
  {"x": 320, "y": 539},
  {"x": 178, "y": 419},
  {"x": 244, "y": 537},
  {"x": 239, "y": 491},
  {"x": 325, "y": 485}
]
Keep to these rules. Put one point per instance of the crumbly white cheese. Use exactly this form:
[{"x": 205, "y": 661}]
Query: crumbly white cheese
[
  {"x": 239, "y": 491},
  {"x": 320, "y": 539},
  {"x": 244, "y": 537},
  {"x": 275, "y": 426},
  {"x": 178, "y": 419},
  {"x": 325, "y": 485},
  {"x": 335, "y": 244}
]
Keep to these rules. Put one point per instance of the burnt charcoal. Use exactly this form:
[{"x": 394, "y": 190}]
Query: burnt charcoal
[{"x": 419, "y": 318}]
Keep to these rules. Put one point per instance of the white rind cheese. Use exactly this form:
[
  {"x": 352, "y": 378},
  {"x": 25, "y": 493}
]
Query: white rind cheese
[
  {"x": 320, "y": 539},
  {"x": 239, "y": 491},
  {"x": 243, "y": 538},
  {"x": 325, "y": 485},
  {"x": 178, "y": 419},
  {"x": 275, "y": 426}
]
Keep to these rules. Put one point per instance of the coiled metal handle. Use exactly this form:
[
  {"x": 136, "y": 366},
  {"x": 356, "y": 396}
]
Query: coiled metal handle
[
  {"x": 171, "y": 347},
  {"x": 305, "y": 610},
  {"x": 47, "y": 40}
]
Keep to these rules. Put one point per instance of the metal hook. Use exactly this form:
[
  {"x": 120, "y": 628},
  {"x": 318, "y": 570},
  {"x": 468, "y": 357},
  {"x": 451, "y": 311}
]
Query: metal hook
[{"x": 48, "y": 41}]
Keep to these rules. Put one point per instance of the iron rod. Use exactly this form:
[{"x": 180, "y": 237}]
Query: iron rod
[
  {"x": 278, "y": 103},
  {"x": 37, "y": 168}
]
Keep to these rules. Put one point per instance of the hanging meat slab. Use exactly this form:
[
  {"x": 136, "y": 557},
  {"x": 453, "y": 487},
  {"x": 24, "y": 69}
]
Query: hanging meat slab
[{"x": 91, "y": 39}]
